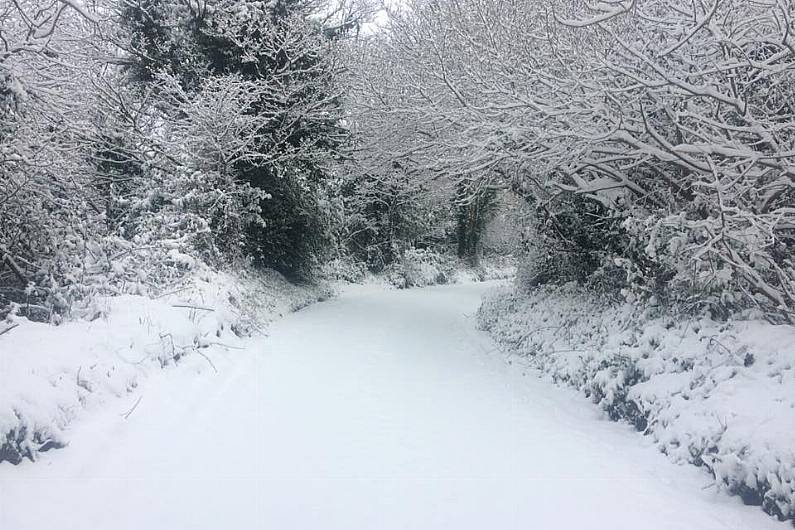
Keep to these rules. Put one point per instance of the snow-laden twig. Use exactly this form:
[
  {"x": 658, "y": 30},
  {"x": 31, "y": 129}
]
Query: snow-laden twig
[
  {"x": 127, "y": 414},
  {"x": 190, "y": 306},
  {"x": 9, "y": 328}
]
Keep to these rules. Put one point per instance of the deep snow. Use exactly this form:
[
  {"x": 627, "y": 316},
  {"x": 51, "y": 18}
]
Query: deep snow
[{"x": 377, "y": 410}]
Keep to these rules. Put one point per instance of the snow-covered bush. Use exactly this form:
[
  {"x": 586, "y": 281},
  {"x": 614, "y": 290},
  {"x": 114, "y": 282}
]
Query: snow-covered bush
[
  {"x": 49, "y": 218},
  {"x": 285, "y": 62},
  {"x": 52, "y": 374},
  {"x": 179, "y": 187},
  {"x": 344, "y": 269},
  {"x": 137, "y": 144},
  {"x": 387, "y": 209},
  {"x": 720, "y": 395},
  {"x": 421, "y": 268}
]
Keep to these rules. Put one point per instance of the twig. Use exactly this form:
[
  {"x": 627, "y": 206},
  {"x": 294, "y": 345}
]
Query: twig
[
  {"x": 208, "y": 360},
  {"x": 9, "y": 260},
  {"x": 172, "y": 292},
  {"x": 127, "y": 414},
  {"x": 131, "y": 250},
  {"x": 193, "y": 307},
  {"x": 227, "y": 346},
  {"x": 12, "y": 326}
]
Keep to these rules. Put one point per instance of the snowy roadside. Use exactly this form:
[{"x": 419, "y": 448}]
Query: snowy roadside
[
  {"x": 49, "y": 375},
  {"x": 717, "y": 395}
]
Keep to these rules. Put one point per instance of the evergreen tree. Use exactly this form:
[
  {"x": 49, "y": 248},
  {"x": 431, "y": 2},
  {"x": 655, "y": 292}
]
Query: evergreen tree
[{"x": 292, "y": 61}]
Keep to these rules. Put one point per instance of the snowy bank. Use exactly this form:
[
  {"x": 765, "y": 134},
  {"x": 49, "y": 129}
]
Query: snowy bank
[
  {"x": 717, "y": 395},
  {"x": 50, "y": 374}
]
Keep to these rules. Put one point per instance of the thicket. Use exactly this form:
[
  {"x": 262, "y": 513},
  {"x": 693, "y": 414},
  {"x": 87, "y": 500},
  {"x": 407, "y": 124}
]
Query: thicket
[
  {"x": 138, "y": 137},
  {"x": 394, "y": 202}
]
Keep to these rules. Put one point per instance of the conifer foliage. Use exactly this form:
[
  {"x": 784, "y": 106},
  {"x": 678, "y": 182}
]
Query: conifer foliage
[{"x": 286, "y": 65}]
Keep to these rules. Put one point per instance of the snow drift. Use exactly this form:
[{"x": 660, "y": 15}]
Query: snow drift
[{"x": 50, "y": 374}]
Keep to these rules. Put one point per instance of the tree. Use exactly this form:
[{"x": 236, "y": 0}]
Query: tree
[
  {"x": 46, "y": 201},
  {"x": 291, "y": 61},
  {"x": 667, "y": 114}
]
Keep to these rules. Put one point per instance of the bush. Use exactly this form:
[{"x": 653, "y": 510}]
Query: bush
[
  {"x": 344, "y": 269},
  {"x": 421, "y": 268},
  {"x": 699, "y": 388}
]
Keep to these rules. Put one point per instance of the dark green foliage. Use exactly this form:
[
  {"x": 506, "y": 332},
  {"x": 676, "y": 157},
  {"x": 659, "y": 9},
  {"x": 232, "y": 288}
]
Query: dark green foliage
[
  {"x": 276, "y": 46},
  {"x": 390, "y": 213},
  {"x": 117, "y": 175},
  {"x": 295, "y": 231},
  {"x": 17, "y": 447},
  {"x": 573, "y": 236},
  {"x": 162, "y": 38},
  {"x": 577, "y": 238},
  {"x": 475, "y": 207}
]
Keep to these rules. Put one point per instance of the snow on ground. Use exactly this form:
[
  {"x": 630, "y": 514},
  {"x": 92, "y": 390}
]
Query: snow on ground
[
  {"x": 375, "y": 410},
  {"x": 50, "y": 374},
  {"x": 719, "y": 395}
]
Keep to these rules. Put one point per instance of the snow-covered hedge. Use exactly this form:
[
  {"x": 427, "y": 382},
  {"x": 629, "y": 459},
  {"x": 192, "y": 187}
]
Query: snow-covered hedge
[
  {"x": 425, "y": 267},
  {"x": 717, "y": 395},
  {"x": 344, "y": 269},
  {"x": 50, "y": 374},
  {"x": 420, "y": 268}
]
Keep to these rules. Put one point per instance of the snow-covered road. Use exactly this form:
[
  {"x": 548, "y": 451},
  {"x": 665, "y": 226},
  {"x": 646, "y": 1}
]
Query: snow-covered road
[{"x": 377, "y": 410}]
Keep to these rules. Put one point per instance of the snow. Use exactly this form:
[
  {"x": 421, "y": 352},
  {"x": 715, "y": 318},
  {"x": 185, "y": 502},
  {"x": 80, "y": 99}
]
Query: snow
[
  {"x": 719, "y": 395},
  {"x": 380, "y": 409},
  {"x": 50, "y": 374}
]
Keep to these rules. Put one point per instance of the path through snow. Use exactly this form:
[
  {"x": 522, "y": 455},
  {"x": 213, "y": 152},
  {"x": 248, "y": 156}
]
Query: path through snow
[{"x": 378, "y": 410}]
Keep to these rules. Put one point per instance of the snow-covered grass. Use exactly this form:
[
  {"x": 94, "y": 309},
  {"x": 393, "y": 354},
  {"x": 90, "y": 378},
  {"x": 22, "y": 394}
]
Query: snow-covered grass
[
  {"x": 50, "y": 374},
  {"x": 717, "y": 395}
]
